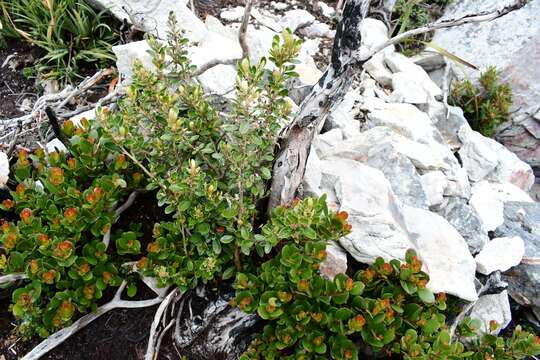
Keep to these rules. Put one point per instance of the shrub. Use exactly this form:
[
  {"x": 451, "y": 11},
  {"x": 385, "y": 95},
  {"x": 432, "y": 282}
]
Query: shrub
[
  {"x": 63, "y": 206},
  {"x": 485, "y": 106},
  {"x": 73, "y": 34},
  {"x": 210, "y": 168}
]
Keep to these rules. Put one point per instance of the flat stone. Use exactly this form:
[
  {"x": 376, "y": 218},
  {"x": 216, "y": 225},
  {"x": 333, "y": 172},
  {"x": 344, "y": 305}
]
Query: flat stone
[
  {"x": 378, "y": 70},
  {"x": 444, "y": 252},
  {"x": 233, "y": 14},
  {"x": 400, "y": 63},
  {"x": 500, "y": 254},
  {"x": 318, "y": 29},
  {"x": 293, "y": 19}
]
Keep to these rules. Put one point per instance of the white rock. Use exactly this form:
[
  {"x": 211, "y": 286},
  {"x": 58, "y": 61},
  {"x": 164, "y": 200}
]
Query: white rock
[
  {"x": 409, "y": 88},
  {"x": 400, "y": 63},
  {"x": 152, "y": 17},
  {"x": 293, "y": 19},
  {"x": 335, "y": 261},
  {"x": 266, "y": 19},
  {"x": 493, "y": 307},
  {"x": 234, "y": 14},
  {"x": 215, "y": 26},
  {"x": 219, "y": 80},
  {"x": 127, "y": 54},
  {"x": 378, "y": 70},
  {"x": 434, "y": 184},
  {"x": 477, "y": 157},
  {"x": 373, "y": 32},
  {"x": 88, "y": 115},
  {"x": 510, "y": 168},
  {"x": 343, "y": 115},
  {"x": 318, "y": 29},
  {"x": 259, "y": 42},
  {"x": 326, "y": 10},
  {"x": 279, "y": 5},
  {"x": 4, "y": 169},
  {"x": 55, "y": 145},
  {"x": 444, "y": 252},
  {"x": 373, "y": 210},
  {"x": 488, "y": 200},
  {"x": 324, "y": 143},
  {"x": 407, "y": 120},
  {"x": 215, "y": 47},
  {"x": 500, "y": 254}
]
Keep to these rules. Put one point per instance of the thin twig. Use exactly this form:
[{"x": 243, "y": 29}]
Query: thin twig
[{"x": 9, "y": 278}]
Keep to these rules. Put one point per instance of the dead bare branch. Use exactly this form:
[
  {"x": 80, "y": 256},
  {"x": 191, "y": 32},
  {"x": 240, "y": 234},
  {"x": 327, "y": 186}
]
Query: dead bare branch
[{"x": 9, "y": 278}]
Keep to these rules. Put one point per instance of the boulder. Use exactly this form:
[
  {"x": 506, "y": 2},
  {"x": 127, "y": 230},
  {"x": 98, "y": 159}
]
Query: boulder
[
  {"x": 378, "y": 70},
  {"x": 318, "y": 29},
  {"x": 492, "y": 307},
  {"x": 4, "y": 169},
  {"x": 232, "y": 14},
  {"x": 523, "y": 219},
  {"x": 500, "y": 254},
  {"x": 444, "y": 252},
  {"x": 152, "y": 17},
  {"x": 343, "y": 115},
  {"x": 514, "y": 53},
  {"x": 467, "y": 222},
  {"x": 373, "y": 209},
  {"x": 409, "y": 88},
  {"x": 373, "y": 32}
]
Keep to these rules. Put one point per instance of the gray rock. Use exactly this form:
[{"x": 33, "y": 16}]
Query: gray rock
[
  {"x": 318, "y": 29},
  {"x": 523, "y": 219},
  {"x": 493, "y": 307},
  {"x": 448, "y": 120},
  {"x": 401, "y": 172},
  {"x": 467, "y": 222},
  {"x": 429, "y": 60},
  {"x": 514, "y": 53}
]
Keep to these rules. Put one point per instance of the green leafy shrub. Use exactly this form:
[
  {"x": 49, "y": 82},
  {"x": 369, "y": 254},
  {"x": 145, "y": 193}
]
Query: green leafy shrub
[
  {"x": 210, "y": 168},
  {"x": 64, "y": 205},
  {"x": 485, "y": 106},
  {"x": 386, "y": 307},
  {"x": 74, "y": 35},
  {"x": 412, "y": 14}
]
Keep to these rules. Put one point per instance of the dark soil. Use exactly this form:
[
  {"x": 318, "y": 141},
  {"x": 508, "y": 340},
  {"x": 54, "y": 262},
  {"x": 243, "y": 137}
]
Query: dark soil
[
  {"x": 121, "y": 334},
  {"x": 14, "y": 86}
]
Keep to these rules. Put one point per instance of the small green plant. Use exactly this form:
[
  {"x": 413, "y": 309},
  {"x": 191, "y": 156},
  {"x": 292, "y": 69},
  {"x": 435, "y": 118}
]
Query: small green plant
[
  {"x": 210, "y": 169},
  {"x": 74, "y": 36},
  {"x": 63, "y": 206},
  {"x": 485, "y": 106},
  {"x": 412, "y": 14}
]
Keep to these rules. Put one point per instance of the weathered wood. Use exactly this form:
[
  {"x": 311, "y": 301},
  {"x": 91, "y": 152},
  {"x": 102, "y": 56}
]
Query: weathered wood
[{"x": 295, "y": 141}]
